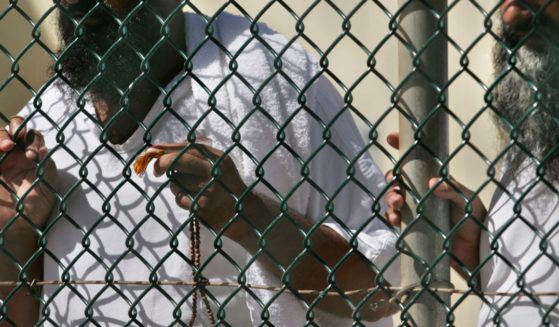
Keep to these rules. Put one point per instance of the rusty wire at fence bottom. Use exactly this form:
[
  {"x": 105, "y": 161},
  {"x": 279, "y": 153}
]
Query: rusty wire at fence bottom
[{"x": 400, "y": 290}]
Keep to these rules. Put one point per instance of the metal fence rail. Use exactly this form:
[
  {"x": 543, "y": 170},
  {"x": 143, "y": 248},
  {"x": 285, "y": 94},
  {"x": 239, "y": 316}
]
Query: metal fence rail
[{"x": 420, "y": 99}]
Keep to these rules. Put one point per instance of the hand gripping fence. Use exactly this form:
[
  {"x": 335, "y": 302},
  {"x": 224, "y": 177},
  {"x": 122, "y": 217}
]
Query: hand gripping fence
[{"x": 420, "y": 97}]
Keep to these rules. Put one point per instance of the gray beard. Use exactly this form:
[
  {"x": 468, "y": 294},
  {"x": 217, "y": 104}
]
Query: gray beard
[{"x": 519, "y": 116}]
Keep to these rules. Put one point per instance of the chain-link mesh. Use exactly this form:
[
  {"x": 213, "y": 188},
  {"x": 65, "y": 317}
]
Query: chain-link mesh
[{"x": 245, "y": 100}]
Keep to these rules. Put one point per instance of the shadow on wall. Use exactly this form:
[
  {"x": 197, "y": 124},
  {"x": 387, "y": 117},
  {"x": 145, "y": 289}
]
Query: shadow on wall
[{"x": 23, "y": 60}]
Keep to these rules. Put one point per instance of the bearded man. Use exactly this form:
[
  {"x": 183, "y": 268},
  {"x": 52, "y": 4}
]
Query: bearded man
[
  {"x": 520, "y": 248},
  {"x": 517, "y": 250},
  {"x": 242, "y": 116}
]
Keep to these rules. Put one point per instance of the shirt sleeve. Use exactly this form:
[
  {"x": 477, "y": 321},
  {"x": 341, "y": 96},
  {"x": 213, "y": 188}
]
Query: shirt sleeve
[{"x": 349, "y": 185}]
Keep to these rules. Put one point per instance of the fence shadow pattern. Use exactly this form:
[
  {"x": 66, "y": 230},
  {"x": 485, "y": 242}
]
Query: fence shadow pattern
[{"x": 188, "y": 243}]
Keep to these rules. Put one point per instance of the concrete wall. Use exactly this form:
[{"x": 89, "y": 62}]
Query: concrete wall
[
  {"x": 16, "y": 36},
  {"x": 347, "y": 61}
]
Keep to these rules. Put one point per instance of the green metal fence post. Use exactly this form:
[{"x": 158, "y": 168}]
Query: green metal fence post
[{"x": 423, "y": 146}]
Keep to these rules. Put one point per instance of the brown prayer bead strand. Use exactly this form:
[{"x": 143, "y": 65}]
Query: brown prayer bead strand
[
  {"x": 193, "y": 255},
  {"x": 205, "y": 300},
  {"x": 140, "y": 166},
  {"x": 196, "y": 257}
]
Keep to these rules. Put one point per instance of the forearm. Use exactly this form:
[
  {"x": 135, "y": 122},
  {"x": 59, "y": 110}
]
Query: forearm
[
  {"x": 23, "y": 308},
  {"x": 468, "y": 254},
  {"x": 285, "y": 241}
]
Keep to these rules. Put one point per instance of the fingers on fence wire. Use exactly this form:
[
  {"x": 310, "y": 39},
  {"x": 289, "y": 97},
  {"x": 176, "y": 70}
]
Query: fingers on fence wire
[
  {"x": 6, "y": 135},
  {"x": 15, "y": 126},
  {"x": 6, "y": 143},
  {"x": 458, "y": 194},
  {"x": 393, "y": 140},
  {"x": 448, "y": 189},
  {"x": 35, "y": 146},
  {"x": 36, "y": 150},
  {"x": 394, "y": 199},
  {"x": 31, "y": 140}
]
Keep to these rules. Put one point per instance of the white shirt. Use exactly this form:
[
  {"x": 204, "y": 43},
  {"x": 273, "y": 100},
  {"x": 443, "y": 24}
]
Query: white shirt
[
  {"x": 521, "y": 248},
  {"x": 120, "y": 226}
]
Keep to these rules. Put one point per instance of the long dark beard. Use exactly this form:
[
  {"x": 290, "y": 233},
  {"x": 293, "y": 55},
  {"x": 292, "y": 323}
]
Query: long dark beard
[
  {"x": 79, "y": 58},
  {"x": 526, "y": 102}
]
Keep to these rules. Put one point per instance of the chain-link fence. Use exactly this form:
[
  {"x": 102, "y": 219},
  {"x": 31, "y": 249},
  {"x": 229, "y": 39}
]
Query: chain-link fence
[{"x": 212, "y": 171}]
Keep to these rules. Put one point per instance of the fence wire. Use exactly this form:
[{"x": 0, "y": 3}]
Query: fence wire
[{"x": 149, "y": 262}]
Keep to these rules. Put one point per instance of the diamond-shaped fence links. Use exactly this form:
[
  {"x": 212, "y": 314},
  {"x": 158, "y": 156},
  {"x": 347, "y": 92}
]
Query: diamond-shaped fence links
[{"x": 181, "y": 163}]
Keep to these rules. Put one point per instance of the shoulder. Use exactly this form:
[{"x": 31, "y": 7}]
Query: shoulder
[
  {"x": 241, "y": 36},
  {"x": 234, "y": 29}
]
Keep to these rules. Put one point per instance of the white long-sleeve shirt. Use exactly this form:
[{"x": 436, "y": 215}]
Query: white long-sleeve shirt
[
  {"x": 117, "y": 225},
  {"x": 520, "y": 253}
]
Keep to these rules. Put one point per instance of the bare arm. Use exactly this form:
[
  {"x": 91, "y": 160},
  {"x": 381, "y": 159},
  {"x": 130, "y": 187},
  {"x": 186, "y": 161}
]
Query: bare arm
[
  {"x": 285, "y": 241},
  {"x": 18, "y": 173},
  {"x": 23, "y": 308},
  {"x": 465, "y": 243}
]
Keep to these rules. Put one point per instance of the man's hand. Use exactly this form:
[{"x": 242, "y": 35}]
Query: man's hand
[
  {"x": 192, "y": 171},
  {"x": 18, "y": 177},
  {"x": 18, "y": 168},
  {"x": 465, "y": 243}
]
